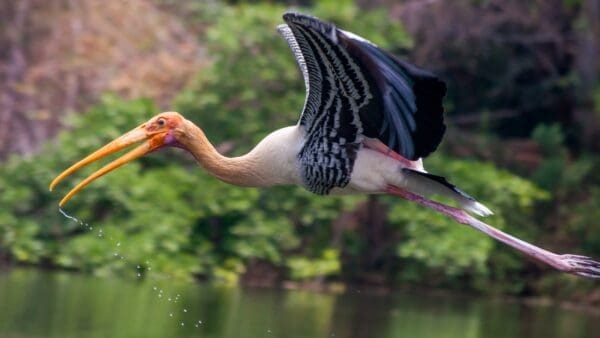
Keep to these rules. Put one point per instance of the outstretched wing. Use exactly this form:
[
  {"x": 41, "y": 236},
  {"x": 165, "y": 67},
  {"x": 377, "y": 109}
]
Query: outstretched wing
[
  {"x": 335, "y": 94},
  {"x": 354, "y": 89}
]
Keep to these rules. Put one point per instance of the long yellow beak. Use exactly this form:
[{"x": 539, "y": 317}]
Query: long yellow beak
[{"x": 136, "y": 135}]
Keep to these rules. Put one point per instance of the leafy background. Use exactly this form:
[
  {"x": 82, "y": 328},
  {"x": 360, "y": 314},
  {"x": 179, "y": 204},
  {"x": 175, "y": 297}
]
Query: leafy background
[{"x": 539, "y": 174}]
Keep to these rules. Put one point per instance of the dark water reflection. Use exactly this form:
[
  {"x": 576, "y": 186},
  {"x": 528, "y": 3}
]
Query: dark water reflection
[{"x": 50, "y": 304}]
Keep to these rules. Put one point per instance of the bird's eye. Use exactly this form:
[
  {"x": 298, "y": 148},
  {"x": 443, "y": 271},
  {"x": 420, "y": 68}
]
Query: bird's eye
[{"x": 161, "y": 122}]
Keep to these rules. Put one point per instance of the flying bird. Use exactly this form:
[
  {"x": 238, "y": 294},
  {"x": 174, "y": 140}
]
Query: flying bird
[{"x": 368, "y": 120}]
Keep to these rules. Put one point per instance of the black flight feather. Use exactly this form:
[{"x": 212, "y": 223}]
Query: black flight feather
[
  {"x": 354, "y": 89},
  {"x": 408, "y": 115}
]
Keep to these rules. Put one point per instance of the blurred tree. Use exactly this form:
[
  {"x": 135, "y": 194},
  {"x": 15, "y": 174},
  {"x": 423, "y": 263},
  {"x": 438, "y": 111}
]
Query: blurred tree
[
  {"x": 530, "y": 62},
  {"x": 172, "y": 217},
  {"x": 57, "y": 57}
]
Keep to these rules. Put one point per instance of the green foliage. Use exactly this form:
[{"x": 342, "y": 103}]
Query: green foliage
[
  {"x": 253, "y": 85},
  {"x": 303, "y": 267},
  {"x": 440, "y": 245},
  {"x": 558, "y": 172},
  {"x": 165, "y": 214},
  {"x": 160, "y": 213},
  {"x": 583, "y": 223},
  {"x": 551, "y": 139}
]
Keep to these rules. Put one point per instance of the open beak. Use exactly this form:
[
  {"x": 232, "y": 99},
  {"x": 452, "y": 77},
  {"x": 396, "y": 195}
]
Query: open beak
[{"x": 136, "y": 135}]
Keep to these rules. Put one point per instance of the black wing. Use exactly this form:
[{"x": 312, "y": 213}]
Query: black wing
[
  {"x": 407, "y": 115},
  {"x": 355, "y": 89}
]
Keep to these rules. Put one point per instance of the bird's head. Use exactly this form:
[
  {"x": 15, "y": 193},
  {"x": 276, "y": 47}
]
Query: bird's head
[{"x": 164, "y": 129}]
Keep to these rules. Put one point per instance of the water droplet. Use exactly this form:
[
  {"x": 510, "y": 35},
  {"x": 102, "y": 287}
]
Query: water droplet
[
  {"x": 154, "y": 288},
  {"x": 67, "y": 215},
  {"x": 159, "y": 295},
  {"x": 169, "y": 299},
  {"x": 170, "y": 315},
  {"x": 182, "y": 324},
  {"x": 116, "y": 254},
  {"x": 184, "y": 310},
  {"x": 139, "y": 275},
  {"x": 149, "y": 268},
  {"x": 138, "y": 266},
  {"x": 196, "y": 325},
  {"x": 199, "y": 322},
  {"x": 119, "y": 244}
]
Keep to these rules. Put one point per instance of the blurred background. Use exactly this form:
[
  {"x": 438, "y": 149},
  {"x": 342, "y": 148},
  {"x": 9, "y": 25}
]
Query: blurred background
[{"x": 523, "y": 116}]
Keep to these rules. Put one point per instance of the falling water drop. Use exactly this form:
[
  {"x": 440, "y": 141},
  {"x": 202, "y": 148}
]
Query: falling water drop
[
  {"x": 100, "y": 234},
  {"x": 69, "y": 216}
]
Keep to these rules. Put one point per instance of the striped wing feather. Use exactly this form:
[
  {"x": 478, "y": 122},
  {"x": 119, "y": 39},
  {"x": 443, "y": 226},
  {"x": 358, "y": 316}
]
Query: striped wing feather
[{"x": 354, "y": 89}]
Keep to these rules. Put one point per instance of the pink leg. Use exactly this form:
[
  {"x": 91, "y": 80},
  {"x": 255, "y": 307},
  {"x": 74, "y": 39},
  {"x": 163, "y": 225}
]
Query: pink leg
[{"x": 578, "y": 265}]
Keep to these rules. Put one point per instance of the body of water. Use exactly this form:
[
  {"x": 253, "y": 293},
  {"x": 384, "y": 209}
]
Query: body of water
[{"x": 56, "y": 304}]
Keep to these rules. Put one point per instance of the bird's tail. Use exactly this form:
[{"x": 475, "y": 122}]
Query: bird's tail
[{"x": 425, "y": 184}]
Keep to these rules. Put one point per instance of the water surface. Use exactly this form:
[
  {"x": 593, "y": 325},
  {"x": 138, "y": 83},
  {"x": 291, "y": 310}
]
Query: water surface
[{"x": 57, "y": 304}]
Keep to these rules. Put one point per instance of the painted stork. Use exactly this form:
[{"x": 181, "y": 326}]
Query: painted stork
[{"x": 368, "y": 120}]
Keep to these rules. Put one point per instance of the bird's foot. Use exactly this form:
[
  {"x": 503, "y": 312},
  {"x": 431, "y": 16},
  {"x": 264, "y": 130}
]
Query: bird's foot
[{"x": 581, "y": 266}]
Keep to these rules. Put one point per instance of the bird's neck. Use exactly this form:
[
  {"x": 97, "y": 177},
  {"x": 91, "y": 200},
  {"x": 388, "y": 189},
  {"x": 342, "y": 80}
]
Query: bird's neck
[{"x": 247, "y": 170}]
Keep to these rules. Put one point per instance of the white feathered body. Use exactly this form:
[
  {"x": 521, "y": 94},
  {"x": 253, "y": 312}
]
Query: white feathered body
[{"x": 276, "y": 157}]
